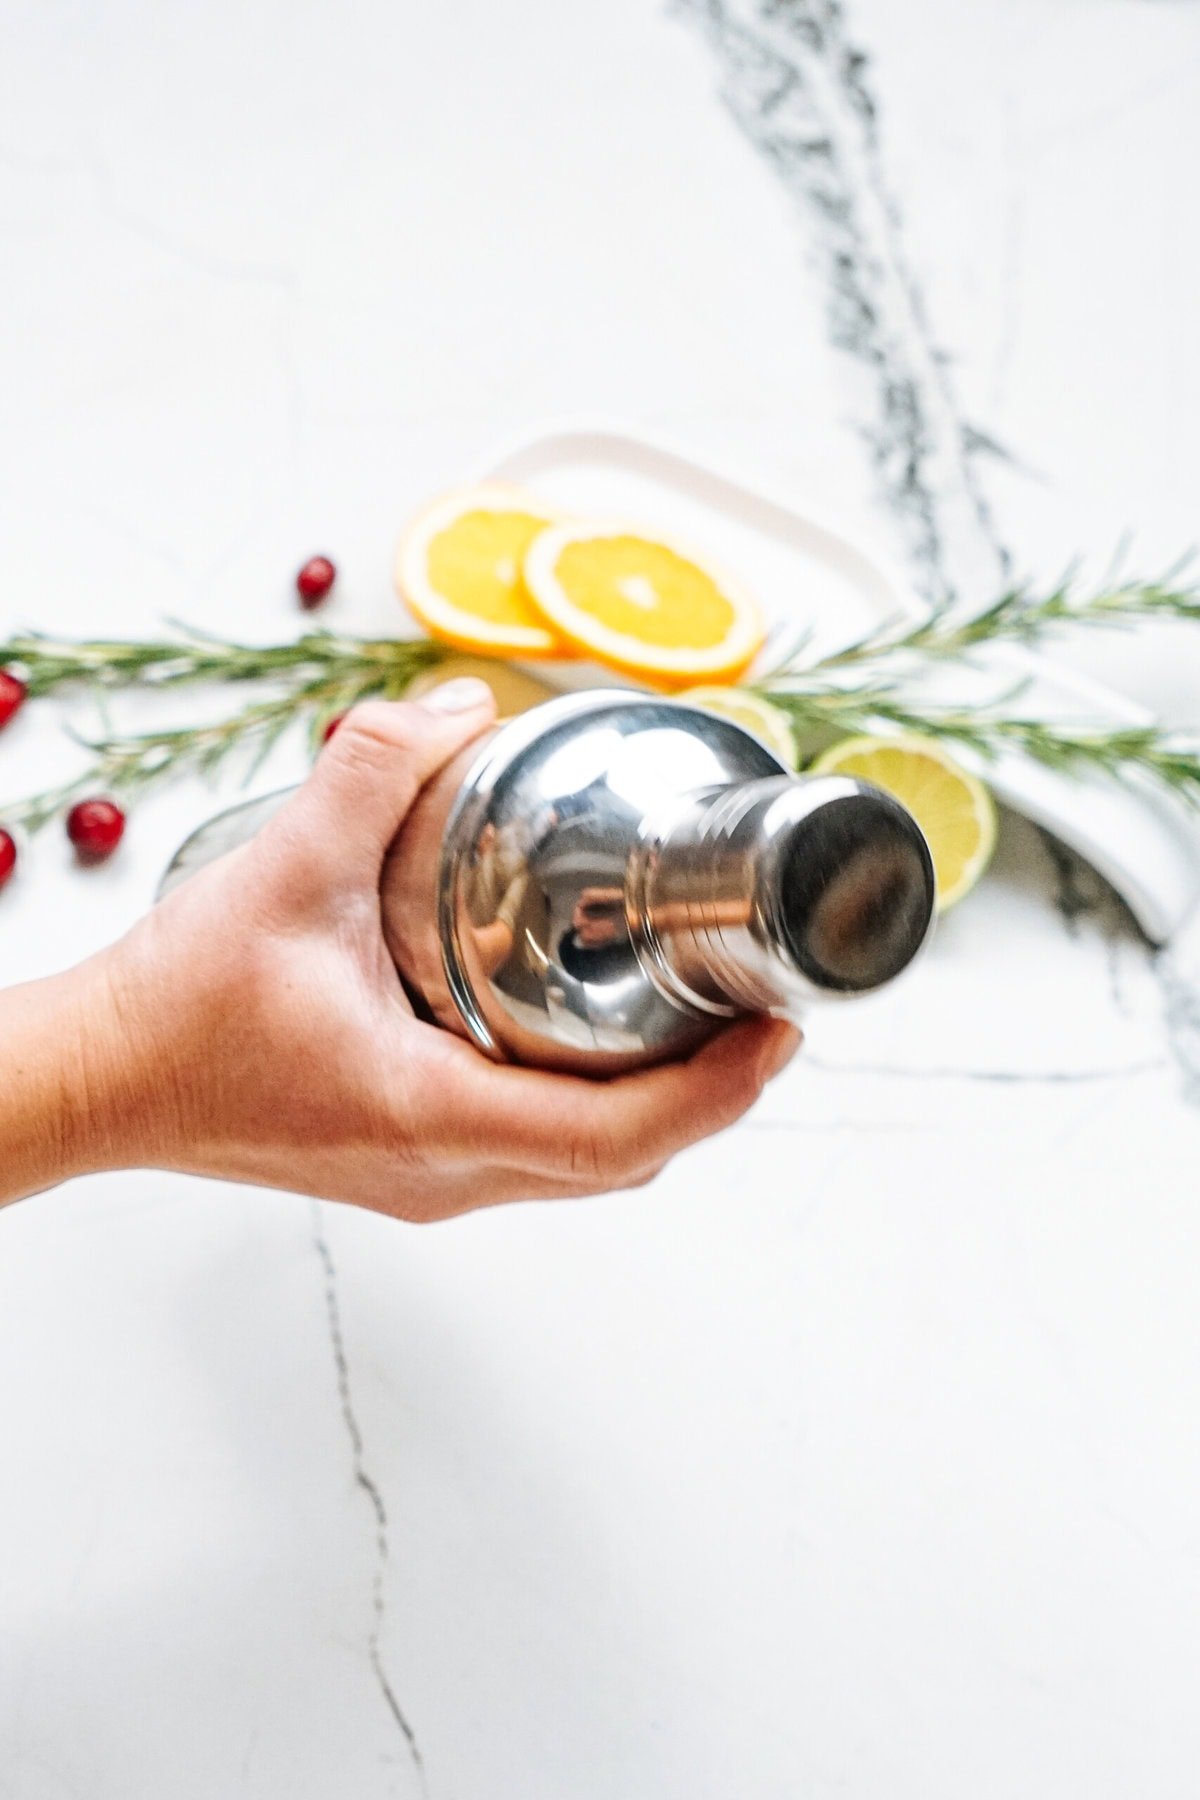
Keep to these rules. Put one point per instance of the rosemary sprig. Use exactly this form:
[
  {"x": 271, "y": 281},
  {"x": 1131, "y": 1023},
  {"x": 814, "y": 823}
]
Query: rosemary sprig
[
  {"x": 1021, "y": 616},
  {"x": 321, "y": 676},
  {"x": 1169, "y": 760},
  {"x": 48, "y": 664},
  {"x": 321, "y": 673},
  {"x": 123, "y": 762}
]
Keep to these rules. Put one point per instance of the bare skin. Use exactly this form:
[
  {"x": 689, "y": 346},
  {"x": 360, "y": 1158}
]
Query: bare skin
[{"x": 252, "y": 1028}]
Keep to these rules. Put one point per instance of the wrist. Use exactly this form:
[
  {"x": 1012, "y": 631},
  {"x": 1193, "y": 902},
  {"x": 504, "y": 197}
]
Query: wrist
[
  {"x": 84, "y": 1098},
  {"x": 65, "y": 1067},
  {"x": 119, "y": 1110}
]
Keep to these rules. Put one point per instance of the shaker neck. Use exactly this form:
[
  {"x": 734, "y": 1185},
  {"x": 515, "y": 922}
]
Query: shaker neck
[{"x": 764, "y": 895}]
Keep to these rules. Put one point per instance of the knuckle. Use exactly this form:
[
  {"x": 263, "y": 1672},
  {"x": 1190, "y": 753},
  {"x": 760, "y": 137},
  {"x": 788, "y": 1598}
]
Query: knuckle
[
  {"x": 594, "y": 1156},
  {"x": 375, "y": 726},
  {"x": 403, "y": 1147},
  {"x": 409, "y": 1168}
]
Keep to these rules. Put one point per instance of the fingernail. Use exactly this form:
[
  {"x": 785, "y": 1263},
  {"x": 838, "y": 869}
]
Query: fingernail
[
  {"x": 780, "y": 1051},
  {"x": 463, "y": 694}
]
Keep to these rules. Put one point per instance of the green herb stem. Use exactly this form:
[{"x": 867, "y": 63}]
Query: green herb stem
[
  {"x": 316, "y": 687},
  {"x": 48, "y": 664},
  {"x": 1168, "y": 759},
  {"x": 1019, "y": 616}
]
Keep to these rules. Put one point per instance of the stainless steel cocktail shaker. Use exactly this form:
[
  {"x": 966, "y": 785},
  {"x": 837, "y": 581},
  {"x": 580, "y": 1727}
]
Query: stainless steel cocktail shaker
[{"x": 606, "y": 878}]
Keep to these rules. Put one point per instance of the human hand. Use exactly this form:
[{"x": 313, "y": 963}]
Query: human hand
[{"x": 253, "y": 1026}]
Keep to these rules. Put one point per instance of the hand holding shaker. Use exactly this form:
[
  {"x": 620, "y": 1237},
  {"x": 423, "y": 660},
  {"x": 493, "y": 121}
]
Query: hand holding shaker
[{"x": 602, "y": 881}]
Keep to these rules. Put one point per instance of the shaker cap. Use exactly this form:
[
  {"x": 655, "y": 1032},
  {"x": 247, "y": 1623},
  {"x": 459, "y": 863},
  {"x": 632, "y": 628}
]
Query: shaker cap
[{"x": 855, "y": 887}]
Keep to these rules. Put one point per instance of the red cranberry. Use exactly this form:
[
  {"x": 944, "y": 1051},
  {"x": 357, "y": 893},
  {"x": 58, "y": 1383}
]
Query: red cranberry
[
  {"x": 95, "y": 827},
  {"x": 12, "y": 695},
  {"x": 315, "y": 580},
  {"x": 8, "y": 856},
  {"x": 332, "y": 727}
]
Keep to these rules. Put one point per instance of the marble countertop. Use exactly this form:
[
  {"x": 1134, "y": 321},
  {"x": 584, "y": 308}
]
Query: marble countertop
[{"x": 858, "y": 1457}]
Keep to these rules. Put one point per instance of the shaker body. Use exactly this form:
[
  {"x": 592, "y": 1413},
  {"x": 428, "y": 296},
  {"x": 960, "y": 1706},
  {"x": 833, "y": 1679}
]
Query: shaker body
[{"x": 617, "y": 874}]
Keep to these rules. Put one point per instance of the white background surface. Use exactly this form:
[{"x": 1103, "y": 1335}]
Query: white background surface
[{"x": 859, "y": 1457}]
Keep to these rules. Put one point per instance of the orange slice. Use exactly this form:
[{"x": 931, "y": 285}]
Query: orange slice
[
  {"x": 641, "y": 605},
  {"x": 459, "y": 571}
]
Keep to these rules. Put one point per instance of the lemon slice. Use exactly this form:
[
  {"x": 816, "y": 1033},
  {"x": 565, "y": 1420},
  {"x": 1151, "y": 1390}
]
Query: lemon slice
[
  {"x": 640, "y": 605},
  {"x": 953, "y": 809},
  {"x": 515, "y": 691},
  {"x": 459, "y": 571},
  {"x": 769, "y": 724}
]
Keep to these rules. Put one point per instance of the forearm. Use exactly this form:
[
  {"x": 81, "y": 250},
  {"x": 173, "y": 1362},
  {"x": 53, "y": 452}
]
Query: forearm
[{"x": 73, "y": 1084}]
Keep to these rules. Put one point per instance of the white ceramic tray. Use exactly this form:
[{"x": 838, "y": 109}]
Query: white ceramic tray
[{"x": 813, "y": 579}]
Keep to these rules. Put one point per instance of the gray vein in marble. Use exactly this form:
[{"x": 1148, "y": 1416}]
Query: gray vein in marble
[
  {"x": 982, "y": 443},
  {"x": 368, "y": 1486},
  {"x": 1181, "y": 1009},
  {"x": 1015, "y": 1077},
  {"x": 1082, "y": 894},
  {"x": 88, "y": 164},
  {"x": 1114, "y": 961},
  {"x": 800, "y": 90},
  {"x": 831, "y": 1127},
  {"x": 1078, "y": 891},
  {"x": 1011, "y": 246},
  {"x": 248, "y": 1752}
]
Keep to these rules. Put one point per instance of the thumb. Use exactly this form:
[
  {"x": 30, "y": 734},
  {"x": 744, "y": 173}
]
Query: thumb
[{"x": 372, "y": 769}]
